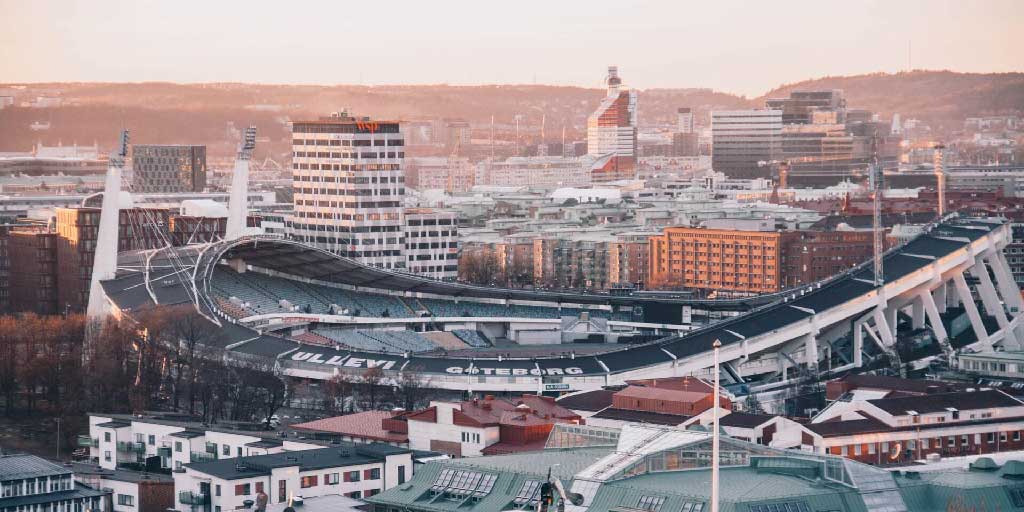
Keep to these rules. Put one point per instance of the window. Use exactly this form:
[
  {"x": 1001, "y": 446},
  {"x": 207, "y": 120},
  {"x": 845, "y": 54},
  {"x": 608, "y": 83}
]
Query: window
[
  {"x": 239, "y": 451},
  {"x": 226, "y": 450},
  {"x": 106, "y": 436},
  {"x": 990, "y": 437},
  {"x": 216, "y": 490},
  {"x": 355, "y": 494},
  {"x": 792, "y": 506},
  {"x": 401, "y": 474},
  {"x": 352, "y": 476},
  {"x": 1002, "y": 437},
  {"x": 651, "y": 503},
  {"x": 259, "y": 487},
  {"x": 177, "y": 446},
  {"x": 106, "y": 456},
  {"x": 282, "y": 490},
  {"x": 1016, "y": 435},
  {"x": 152, "y": 440},
  {"x": 371, "y": 474},
  {"x": 126, "y": 500},
  {"x": 331, "y": 479},
  {"x": 243, "y": 490},
  {"x": 309, "y": 481}
]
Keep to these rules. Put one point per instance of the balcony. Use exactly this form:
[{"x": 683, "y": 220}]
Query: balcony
[
  {"x": 203, "y": 457},
  {"x": 88, "y": 442},
  {"x": 128, "y": 446},
  {"x": 193, "y": 498}
]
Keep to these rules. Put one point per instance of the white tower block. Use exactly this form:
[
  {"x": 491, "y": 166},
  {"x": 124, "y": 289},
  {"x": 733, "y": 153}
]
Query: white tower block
[
  {"x": 238, "y": 201},
  {"x": 105, "y": 262}
]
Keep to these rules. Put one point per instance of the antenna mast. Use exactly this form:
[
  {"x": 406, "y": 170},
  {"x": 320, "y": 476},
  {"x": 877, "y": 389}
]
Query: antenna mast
[{"x": 875, "y": 176}]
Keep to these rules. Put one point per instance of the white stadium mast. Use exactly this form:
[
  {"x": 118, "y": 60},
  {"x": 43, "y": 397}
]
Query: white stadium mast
[
  {"x": 105, "y": 262},
  {"x": 238, "y": 203}
]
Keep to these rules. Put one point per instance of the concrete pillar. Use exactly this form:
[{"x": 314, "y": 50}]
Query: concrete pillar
[
  {"x": 1007, "y": 285},
  {"x": 811, "y": 352},
  {"x": 884, "y": 331},
  {"x": 858, "y": 344},
  {"x": 917, "y": 312},
  {"x": 105, "y": 261},
  {"x": 891, "y": 319},
  {"x": 932, "y": 310},
  {"x": 1008, "y": 289},
  {"x": 940, "y": 297},
  {"x": 988, "y": 296},
  {"x": 781, "y": 361},
  {"x": 964, "y": 295}
]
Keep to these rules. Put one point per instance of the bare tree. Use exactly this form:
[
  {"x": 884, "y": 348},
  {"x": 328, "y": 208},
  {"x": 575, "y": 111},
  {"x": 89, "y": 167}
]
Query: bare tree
[
  {"x": 371, "y": 388},
  {"x": 337, "y": 392},
  {"x": 412, "y": 388}
]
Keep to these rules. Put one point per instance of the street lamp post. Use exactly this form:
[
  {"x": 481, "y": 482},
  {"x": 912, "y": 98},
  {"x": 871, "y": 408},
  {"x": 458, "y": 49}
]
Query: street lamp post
[{"x": 714, "y": 435}]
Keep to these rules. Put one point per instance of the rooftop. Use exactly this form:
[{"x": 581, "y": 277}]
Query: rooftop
[
  {"x": 943, "y": 402},
  {"x": 18, "y": 467},
  {"x": 306, "y": 460},
  {"x": 367, "y": 425}
]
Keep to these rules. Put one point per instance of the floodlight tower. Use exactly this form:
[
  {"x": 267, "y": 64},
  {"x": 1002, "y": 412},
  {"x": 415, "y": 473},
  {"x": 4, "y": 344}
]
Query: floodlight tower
[{"x": 940, "y": 177}]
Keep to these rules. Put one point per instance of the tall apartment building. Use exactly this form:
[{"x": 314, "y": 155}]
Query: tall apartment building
[
  {"x": 349, "y": 187},
  {"x": 743, "y": 138},
  {"x": 168, "y": 168},
  {"x": 612, "y": 132},
  {"x": 33, "y": 276},
  {"x": 537, "y": 172},
  {"x": 752, "y": 262},
  {"x": 743, "y": 262},
  {"x": 432, "y": 243}
]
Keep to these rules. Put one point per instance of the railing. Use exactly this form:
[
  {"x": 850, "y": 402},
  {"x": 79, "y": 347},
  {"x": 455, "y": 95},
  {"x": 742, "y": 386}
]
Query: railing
[
  {"x": 88, "y": 442},
  {"x": 128, "y": 446},
  {"x": 203, "y": 457},
  {"x": 193, "y": 498}
]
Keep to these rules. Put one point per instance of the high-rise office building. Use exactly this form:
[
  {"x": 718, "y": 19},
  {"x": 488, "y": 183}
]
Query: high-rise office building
[
  {"x": 168, "y": 168},
  {"x": 684, "y": 140},
  {"x": 349, "y": 187},
  {"x": 685, "y": 120},
  {"x": 743, "y": 141},
  {"x": 612, "y": 132},
  {"x": 800, "y": 106}
]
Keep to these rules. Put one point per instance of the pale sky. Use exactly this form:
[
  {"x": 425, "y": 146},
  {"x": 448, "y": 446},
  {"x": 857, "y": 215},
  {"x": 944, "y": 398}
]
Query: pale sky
[{"x": 732, "y": 46}]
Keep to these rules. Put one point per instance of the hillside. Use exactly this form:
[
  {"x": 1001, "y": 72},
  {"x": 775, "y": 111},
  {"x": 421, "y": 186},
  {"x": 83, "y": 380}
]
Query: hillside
[
  {"x": 942, "y": 98},
  {"x": 199, "y": 113}
]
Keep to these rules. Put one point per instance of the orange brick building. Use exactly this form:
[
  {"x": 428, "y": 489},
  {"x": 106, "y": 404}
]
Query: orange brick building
[{"x": 747, "y": 262}]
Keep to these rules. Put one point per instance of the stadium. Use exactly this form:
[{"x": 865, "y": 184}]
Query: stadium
[{"x": 314, "y": 314}]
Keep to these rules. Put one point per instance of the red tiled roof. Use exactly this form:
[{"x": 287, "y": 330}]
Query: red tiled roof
[
  {"x": 676, "y": 383},
  {"x": 366, "y": 425},
  {"x": 662, "y": 394}
]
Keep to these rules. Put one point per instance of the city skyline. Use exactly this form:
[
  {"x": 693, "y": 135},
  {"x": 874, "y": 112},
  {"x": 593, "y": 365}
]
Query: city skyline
[{"x": 728, "y": 47}]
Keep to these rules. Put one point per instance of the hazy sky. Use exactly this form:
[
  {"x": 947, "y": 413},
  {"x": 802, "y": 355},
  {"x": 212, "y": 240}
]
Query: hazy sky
[{"x": 742, "y": 47}]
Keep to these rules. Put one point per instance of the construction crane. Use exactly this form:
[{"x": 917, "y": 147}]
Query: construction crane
[{"x": 940, "y": 177}]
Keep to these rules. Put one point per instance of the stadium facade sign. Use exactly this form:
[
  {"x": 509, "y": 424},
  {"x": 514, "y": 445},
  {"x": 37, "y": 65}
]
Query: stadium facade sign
[
  {"x": 346, "y": 361},
  {"x": 513, "y": 372}
]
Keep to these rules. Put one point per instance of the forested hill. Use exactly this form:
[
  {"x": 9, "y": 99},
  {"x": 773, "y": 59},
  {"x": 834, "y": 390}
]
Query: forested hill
[{"x": 938, "y": 97}]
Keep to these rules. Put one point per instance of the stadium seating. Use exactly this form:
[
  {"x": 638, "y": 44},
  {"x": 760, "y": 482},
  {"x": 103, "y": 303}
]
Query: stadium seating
[
  {"x": 379, "y": 340},
  {"x": 263, "y": 294},
  {"x": 471, "y": 337}
]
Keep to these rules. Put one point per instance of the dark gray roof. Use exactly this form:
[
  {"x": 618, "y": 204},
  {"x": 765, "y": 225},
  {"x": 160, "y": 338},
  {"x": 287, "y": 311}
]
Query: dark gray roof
[
  {"x": 80, "y": 491},
  {"x": 941, "y": 402},
  {"x": 114, "y": 424},
  {"x": 119, "y": 474},
  {"x": 744, "y": 419},
  {"x": 588, "y": 400},
  {"x": 16, "y": 467},
  {"x": 656, "y": 418},
  {"x": 307, "y": 460},
  {"x": 187, "y": 434}
]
